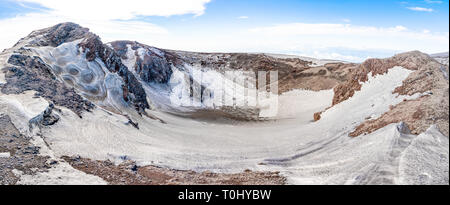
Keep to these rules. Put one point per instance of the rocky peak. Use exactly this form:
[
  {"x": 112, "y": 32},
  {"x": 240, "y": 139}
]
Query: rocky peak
[
  {"x": 59, "y": 34},
  {"x": 150, "y": 64}
]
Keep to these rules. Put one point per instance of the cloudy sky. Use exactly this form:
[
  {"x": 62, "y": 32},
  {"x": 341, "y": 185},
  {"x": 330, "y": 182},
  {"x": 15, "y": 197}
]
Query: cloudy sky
[{"x": 349, "y": 30}]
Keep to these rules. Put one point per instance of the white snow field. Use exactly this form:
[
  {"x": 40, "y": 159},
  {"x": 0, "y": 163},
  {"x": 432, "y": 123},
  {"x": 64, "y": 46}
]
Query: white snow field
[{"x": 304, "y": 151}]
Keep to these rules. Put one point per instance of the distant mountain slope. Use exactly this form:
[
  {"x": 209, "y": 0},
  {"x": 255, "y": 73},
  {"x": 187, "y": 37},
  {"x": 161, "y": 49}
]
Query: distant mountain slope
[
  {"x": 441, "y": 57},
  {"x": 443, "y": 54}
]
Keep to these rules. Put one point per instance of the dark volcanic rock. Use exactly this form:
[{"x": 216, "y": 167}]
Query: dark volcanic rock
[
  {"x": 152, "y": 66},
  {"x": 31, "y": 73},
  {"x": 133, "y": 90},
  {"x": 134, "y": 124},
  {"x": 121, "y": 47},
  {"x": 46, "y": 118}
]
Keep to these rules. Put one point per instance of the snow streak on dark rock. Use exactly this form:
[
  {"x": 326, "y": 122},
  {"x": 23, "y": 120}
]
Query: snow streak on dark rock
[{"x": 31, "y": 73}]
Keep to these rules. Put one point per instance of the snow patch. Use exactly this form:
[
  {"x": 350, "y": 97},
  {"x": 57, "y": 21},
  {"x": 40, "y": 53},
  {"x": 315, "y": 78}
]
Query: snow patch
[
  {"x": 130, "y": 60},
  {"x": 5, "y": 154}
]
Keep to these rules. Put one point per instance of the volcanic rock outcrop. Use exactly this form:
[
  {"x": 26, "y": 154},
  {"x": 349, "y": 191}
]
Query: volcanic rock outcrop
[
  {"x": 91, "y": 48},
  {"x": 151, "y": 64},
  {"x": 31, "y": 73}
]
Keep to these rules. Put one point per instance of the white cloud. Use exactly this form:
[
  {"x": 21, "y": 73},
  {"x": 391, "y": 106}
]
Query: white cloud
[
  {"x": 13, "y": 29},
  {"x": 112, "y": 20},
  {"x": 316, "y": 40},
  {"x": 327, "y": 29},
  {"x": 298, "y": 36},
  {"x": 420, "y": 9},
  {"x": 123, "y": 10},
  {"x": 243, "y": 17},
  {"x": 433, "y": 2},
  {"x": 355, "y": 43},
  {"x": 346, "y": 20}
]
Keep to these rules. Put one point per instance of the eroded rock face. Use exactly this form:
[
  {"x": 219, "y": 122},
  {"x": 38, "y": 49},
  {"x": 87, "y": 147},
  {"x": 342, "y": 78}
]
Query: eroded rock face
[
  {"x": 31, "y": 73},
  {"x": 153, "y": 68},
  {"x": 94, "y": 49},
  {"x": 132, "y": 89},
  {"x": 151, "y": 64}
]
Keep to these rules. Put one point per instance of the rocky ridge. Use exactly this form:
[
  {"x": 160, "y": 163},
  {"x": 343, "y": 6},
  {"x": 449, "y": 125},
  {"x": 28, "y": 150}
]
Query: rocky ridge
[{"x": 428, "y": 78}]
